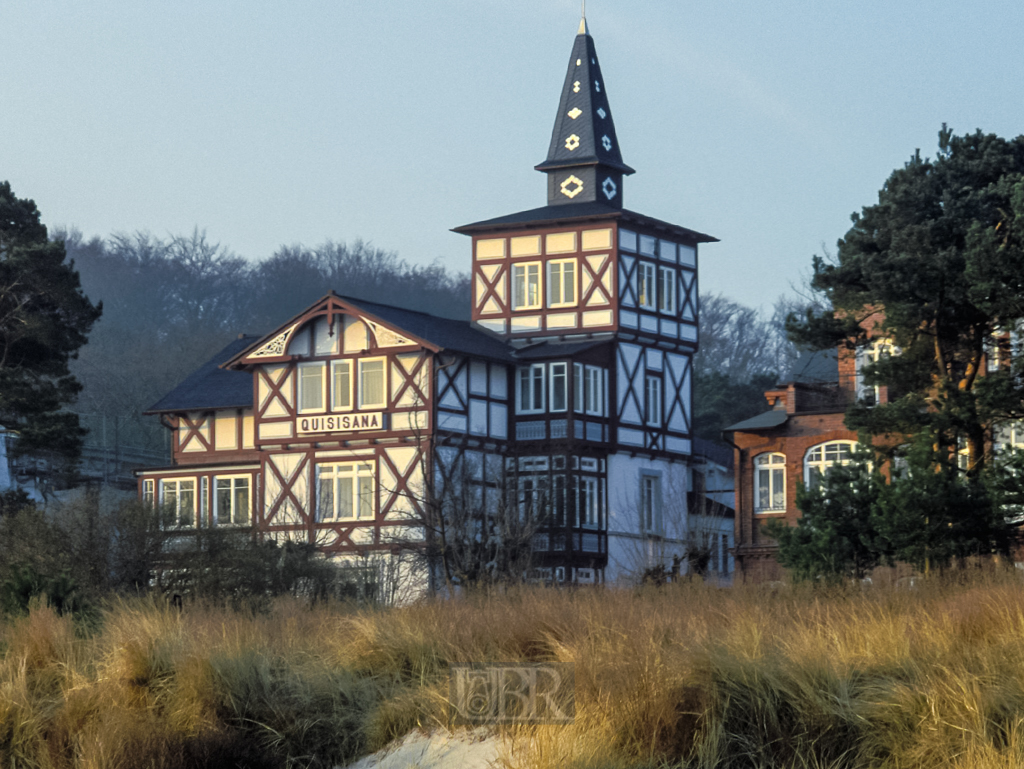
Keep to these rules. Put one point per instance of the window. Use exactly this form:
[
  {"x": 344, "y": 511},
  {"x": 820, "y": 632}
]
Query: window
[
  {"x": 587, "y": 501},
  {"x": 148, "y": 495},
  {"x": 526, "y": 286},
  {"x": 179, "y": 497},
  {"x": 652, "y": 401},
  {"x": 345, "y": 491},
  {"x": 530, "y": 389},
  {"x": 650, "y": 504},
  {"x": 562, "y": 283},
  {"x": 867, "y": 356},
  {"x": 559, "y": 386},
  {"x": 371, "y": 383},
  {"x": 823, "y": 458},
  {"x": 311, "y": 387},
  {"x": 667, "y": 290},
  {"x": 770, "y": 477},
  {"x": 588, "y": 390},
  {"x": 646, "y": 285},
  {"x": 533, "y": 497},
  {"x": 231, "y": 501},
  {"x": 725, "y": 554},
  {"x": 341, "y": 374}
]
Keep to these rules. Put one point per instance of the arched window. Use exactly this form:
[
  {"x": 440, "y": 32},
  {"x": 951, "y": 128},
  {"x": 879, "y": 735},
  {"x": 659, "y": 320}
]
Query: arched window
[
  {"x": 770, "y": 480},
  {"x": 821, "y": 458}
]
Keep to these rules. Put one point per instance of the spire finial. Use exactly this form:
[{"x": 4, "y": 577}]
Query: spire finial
[{"x": 583, "y": 19}]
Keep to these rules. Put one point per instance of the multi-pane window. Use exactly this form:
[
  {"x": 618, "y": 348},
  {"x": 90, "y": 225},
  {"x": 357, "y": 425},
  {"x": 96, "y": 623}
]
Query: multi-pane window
[
  {"x": 530, "y": 389},
  {"x": 179, "y": 497},
  {"x": 667, "y": 290},
  {"x": 526, "y": 286},
  {"x": 646, "y": 285},
  {"x": 148, "y": 492},
  {"x": 652, "y": 400},
  {"x": 770, "y": 471},
  {"x": 311, "y": 387},
  {"x": 823, "y": 458},
  {"x": 867, "y": 356},
  {"x": 650, "y": 500},
  {"x": 562, "y": 283},
  {"x": 371, "y": 383},
  {"x": 341, "y": 390},
  {"x": 589, "y": 389},
  {"x": 559, "y": 386},
  {"x": 345, "y": 491},
  {"x": 587, "y": 500},
  {"x": 231, "y": 501},
  {"x": 533, "y": 497}
]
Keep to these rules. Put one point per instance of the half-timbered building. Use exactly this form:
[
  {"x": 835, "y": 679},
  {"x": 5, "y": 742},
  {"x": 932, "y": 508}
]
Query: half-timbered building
[{"x": 569, "y": 391}]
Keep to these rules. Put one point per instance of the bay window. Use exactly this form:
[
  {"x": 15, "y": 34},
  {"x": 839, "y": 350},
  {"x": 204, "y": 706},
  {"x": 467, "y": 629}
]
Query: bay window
[{"x": 530, "y": 389}]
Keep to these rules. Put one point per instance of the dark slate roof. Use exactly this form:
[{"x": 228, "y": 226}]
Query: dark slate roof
[
  {"x": 556, "y": 349},
  {"x": 454, "y": 335},
  {"x": 715, "y": 452},
  {"x": 569, "y": 214},
  {"x": 584, "y": 114},
  {"x": 764, "y": 421},
  {"x": 210, "y": 386},
  {"x": 817, "y": 367}
]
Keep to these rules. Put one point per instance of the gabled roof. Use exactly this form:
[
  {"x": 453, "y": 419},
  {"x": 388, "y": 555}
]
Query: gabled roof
[
  {"x": 765, "y": 421},
  {"x": 210, "y": 386},
  {"x": 553, "y": 216}
]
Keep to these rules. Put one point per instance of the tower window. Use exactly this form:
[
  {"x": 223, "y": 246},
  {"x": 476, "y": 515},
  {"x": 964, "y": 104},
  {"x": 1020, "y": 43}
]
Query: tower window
[
  {"x": 646, "y": 285},
  {"x": 526, "y": 286},
  {"x": 667, "y": 290},
  {"x": 562, "y": 283}
]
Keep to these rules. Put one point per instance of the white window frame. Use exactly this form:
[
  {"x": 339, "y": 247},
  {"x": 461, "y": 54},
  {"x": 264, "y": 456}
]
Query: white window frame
[
  {"x": 577, "y": 388},
  {"x": 653, "y": 400},
  {"x": 650, "y": 504},
  {"x": 232, "y": 513},
  {"x": 766, "y": 469},
  {"x": 646, "y": 285},
  {"x": 588, "y": 502},
  {"x": 667, "y": 278},
  {"x": 829, "y": 455},
  {"x": 148, "y": 491},
  {"x": 176, "y": 483},
  {"x": 532, "y": 374},
  {"x": 361, "y": 390},
  {"x": 363, "y": 475},
  {"x": 335, "y": 366},
  {"x": 558, "y": 371},
  {"x": 562, "y": 292},
  {"x": 302, "y": 387},
  {"x": 526, "y": 279},
  {"x": 867, "y": 355},
  {"x": 594, "y": 396}
]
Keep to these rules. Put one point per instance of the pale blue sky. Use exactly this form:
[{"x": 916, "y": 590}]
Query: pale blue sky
[{"x": 764, "y": 124}]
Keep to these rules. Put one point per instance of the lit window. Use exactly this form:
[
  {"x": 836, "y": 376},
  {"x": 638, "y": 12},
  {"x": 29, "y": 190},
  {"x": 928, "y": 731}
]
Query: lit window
[
  {"x": 652, "y": 401},
  {"x": 667, "y": 290},
  {"x": 562, "y": 283},
  {"x": 530, "y": 389},
  {"x": 526, "y": 286},
  {"x": 371, "y": 383},
  {"x": 179, "y": 497},
  {"x": 345, "y": 491},
  {"x": 559, "y": 386},
  {"x": 771, "y": 483},
  {"x": 311, "y": 387},
  {"x": 823, "y": 458},
  {"x": 231, "y": 501},
  {"x": 646, "y": 285},
  {"x": 341, "y": 391}
]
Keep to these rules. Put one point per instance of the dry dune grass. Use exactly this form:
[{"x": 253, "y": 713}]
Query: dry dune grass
[{"x": 686, "y": 676}]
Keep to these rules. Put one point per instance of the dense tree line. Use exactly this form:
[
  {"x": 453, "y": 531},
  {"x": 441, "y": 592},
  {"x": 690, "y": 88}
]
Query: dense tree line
[{"x": 169, "y": 304}]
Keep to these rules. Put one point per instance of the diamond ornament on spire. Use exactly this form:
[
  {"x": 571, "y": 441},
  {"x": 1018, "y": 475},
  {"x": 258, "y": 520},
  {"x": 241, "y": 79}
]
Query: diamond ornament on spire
[{"x": 583, "y": 142}]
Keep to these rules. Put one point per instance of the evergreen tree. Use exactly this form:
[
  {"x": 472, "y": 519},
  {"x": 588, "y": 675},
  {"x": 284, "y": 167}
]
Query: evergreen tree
[{"x": 44, "y": 319}]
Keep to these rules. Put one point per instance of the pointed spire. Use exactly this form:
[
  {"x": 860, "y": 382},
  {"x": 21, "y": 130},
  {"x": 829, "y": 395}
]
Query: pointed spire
[{"x": 584, "y": 163}]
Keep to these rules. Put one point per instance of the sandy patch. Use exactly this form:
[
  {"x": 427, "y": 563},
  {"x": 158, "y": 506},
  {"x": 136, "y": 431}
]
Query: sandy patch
[{"x": 473, "y": 749}]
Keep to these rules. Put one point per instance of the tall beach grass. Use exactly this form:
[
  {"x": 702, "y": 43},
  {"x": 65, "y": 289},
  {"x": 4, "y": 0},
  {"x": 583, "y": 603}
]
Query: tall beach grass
[{"x": 682, "y": 676}]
